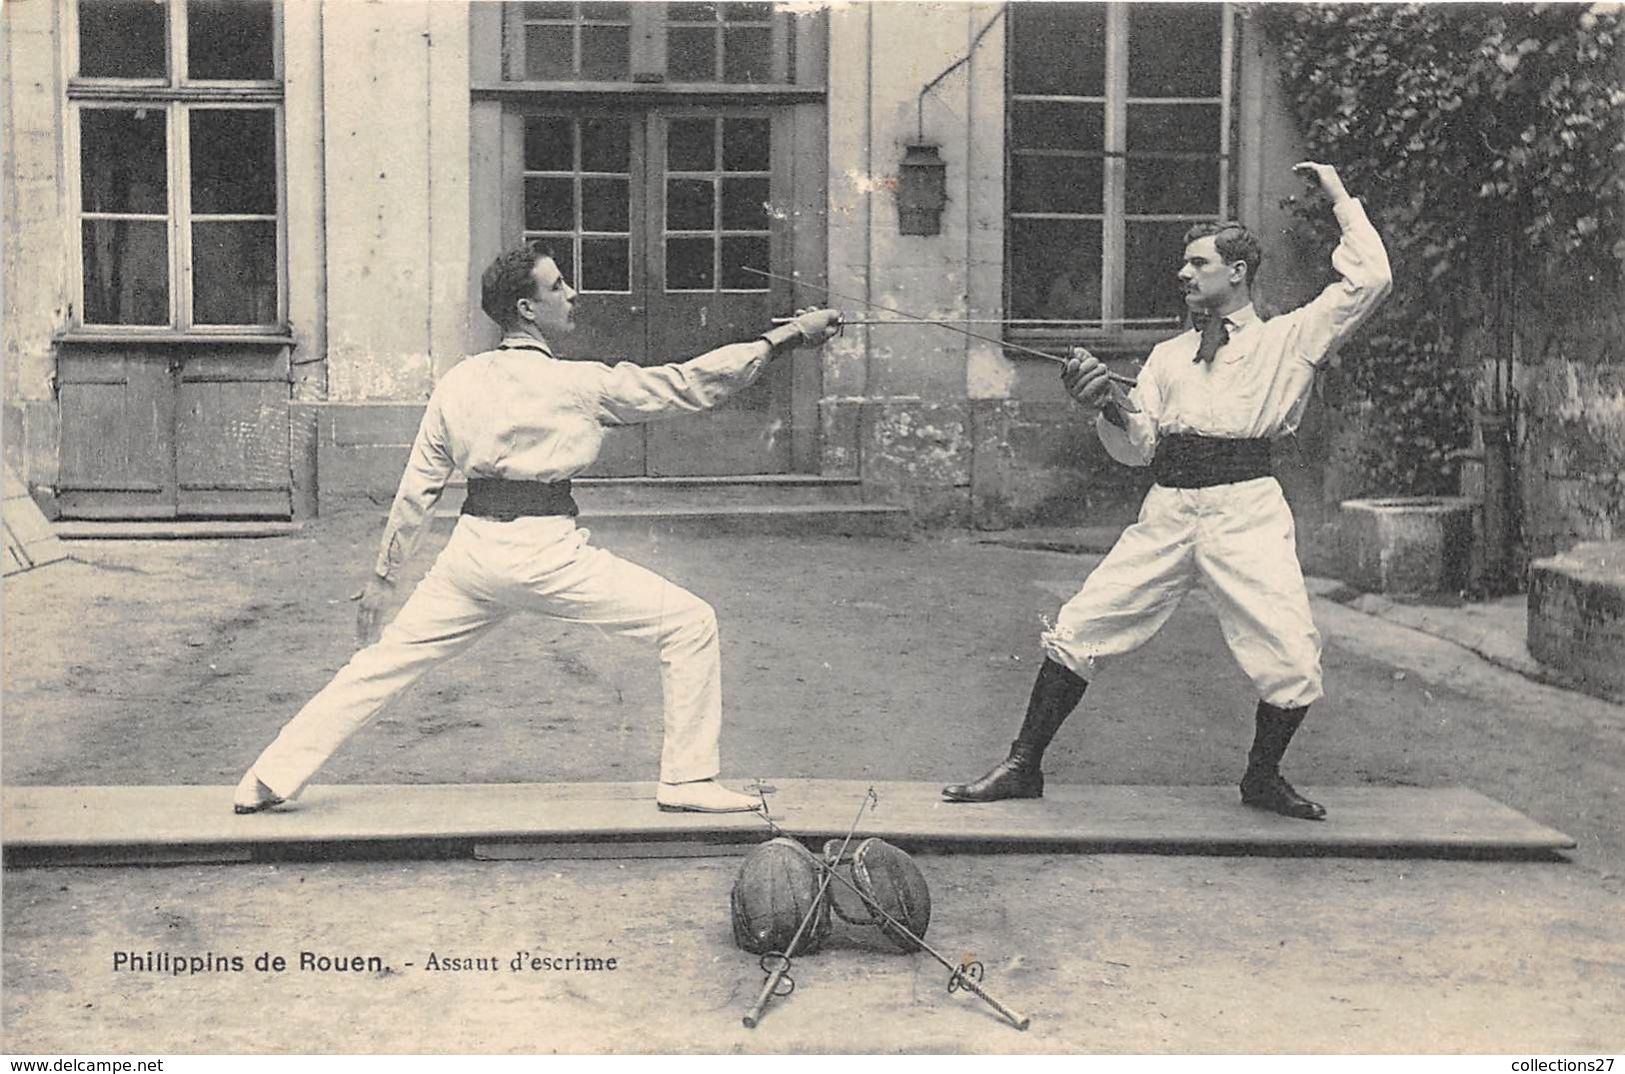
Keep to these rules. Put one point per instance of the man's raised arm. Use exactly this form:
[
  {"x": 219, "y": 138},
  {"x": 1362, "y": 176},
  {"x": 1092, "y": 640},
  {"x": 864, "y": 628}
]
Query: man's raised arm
[{"x": 1360, "y": 261}]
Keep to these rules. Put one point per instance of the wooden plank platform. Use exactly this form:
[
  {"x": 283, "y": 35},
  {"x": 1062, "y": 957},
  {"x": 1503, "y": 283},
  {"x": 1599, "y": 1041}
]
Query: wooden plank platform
[{"x": 108, "y": 825}]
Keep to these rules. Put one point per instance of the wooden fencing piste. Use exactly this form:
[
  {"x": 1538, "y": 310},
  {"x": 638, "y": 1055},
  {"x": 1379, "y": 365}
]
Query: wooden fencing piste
[{"x": 147, "y": 824}]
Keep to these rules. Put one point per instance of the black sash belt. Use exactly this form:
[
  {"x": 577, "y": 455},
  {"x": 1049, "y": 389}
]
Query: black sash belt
[
  {"x": 504, "y": 501},
  {"x": 1186, "y": 461}
]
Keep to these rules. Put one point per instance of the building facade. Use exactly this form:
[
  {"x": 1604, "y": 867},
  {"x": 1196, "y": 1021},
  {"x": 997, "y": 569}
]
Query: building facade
[{"x": 243, "y": 237}]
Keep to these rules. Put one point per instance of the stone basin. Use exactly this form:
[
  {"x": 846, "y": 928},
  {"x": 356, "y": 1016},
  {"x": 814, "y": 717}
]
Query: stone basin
[{"x": 1408, "y": 545}]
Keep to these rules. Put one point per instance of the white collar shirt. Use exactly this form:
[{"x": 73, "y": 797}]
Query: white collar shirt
[{"x": 1258, "y": 384}]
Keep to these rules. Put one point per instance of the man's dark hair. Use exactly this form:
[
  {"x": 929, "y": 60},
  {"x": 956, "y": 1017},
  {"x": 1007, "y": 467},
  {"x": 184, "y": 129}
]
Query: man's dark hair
[
  {"x": 1234, "y": 243},
  {"x": 508, "y": 279}
]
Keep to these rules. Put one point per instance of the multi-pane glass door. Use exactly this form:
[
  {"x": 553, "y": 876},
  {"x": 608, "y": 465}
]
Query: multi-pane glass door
[{"x": 656, "y": 216}]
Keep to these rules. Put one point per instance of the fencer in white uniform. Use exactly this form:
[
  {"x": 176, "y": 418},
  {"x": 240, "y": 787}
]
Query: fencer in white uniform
[
  {"x": 1210, "y": 402},
  {"x": 519, "y": 423}
]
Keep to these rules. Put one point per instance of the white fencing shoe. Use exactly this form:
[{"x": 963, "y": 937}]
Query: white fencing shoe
[
  {"x": 253, "y": 796},
  {"x": 704, "y": 796}
]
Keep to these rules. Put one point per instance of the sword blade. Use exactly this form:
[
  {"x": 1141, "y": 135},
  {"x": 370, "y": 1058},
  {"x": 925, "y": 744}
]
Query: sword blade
[
  {"x": 952, "y": 327},
  {"x": 753, "y": 1017}
]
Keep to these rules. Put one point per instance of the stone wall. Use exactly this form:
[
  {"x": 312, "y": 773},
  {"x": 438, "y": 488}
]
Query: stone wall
[
  {"x": 990, "y": 464},
  {"x": 1571, "y": 406},
  {"x": 1568, "y": 397},
  {"x": 1577, "y": 614},
  {"x": 34, "y": 260},
  {"x": 396, "y": 134}
]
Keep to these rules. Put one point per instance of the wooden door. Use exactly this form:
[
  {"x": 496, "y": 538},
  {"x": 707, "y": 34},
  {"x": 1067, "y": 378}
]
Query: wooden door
[
  {"x": 178, "y": 431},
  {"x": 117, "y": 447},
  {"x": 581, "y": 194},
  {"x": 713, "y": 188},
  {"x": 231, "y": 436}
]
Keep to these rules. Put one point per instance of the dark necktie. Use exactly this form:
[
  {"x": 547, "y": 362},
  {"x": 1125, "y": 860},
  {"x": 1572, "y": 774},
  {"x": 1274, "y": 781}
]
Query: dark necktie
[{"x": 1215, "y": 334}]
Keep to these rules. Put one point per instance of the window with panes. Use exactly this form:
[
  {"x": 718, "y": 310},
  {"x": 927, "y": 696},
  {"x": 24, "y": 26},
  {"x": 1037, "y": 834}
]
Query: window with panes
[
  {"x": 1117, "y": 140},
  {"x": 673, "y": 43},
  {"x": 175, "y": 113}
]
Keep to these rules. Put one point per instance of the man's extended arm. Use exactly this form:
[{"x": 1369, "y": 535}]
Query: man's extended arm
[{"x": 631, "y": 393}]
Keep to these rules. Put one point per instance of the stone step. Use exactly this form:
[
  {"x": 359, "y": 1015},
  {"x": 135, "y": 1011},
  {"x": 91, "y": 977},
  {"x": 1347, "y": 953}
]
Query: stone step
[
  {"x": 757, "y": 504},
  {"x": 603, "y": 494},
  {"x": 757, "y": 490},
  {"x": 782, "y": 520},
  {"x": 169, "y": 529}
]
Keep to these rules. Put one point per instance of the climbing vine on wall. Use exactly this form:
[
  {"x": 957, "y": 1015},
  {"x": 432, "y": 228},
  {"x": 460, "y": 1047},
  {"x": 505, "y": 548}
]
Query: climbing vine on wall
[{"x": 1488, "y": 144}]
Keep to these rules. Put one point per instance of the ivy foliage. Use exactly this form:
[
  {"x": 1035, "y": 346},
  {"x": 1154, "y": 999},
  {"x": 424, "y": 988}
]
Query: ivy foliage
[{"x": 1488, "y": 143}]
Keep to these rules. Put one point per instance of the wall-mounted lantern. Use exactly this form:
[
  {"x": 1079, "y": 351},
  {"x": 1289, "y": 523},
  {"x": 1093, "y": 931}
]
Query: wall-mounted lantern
[{"x": 922, "y": 191}]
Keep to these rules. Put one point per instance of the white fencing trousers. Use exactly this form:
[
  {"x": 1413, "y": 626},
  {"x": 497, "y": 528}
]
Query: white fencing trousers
[
  {"x": 1237, "y": 541},
  {"x": 488, "y": 570}
]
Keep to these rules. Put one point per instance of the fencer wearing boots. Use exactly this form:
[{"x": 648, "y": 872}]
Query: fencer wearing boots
[
  {"x": 1210, "y": 402},
  {"x": 519, "y": 423}
]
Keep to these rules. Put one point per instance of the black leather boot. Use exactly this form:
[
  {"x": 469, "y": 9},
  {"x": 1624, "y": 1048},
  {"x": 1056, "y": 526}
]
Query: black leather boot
[
  {"x": 1263, "y": 786},
  {"x": 1056, "y": 693}
]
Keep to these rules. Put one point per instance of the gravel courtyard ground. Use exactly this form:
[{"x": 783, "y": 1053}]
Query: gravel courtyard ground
[{"x": 174, "y": 662}]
